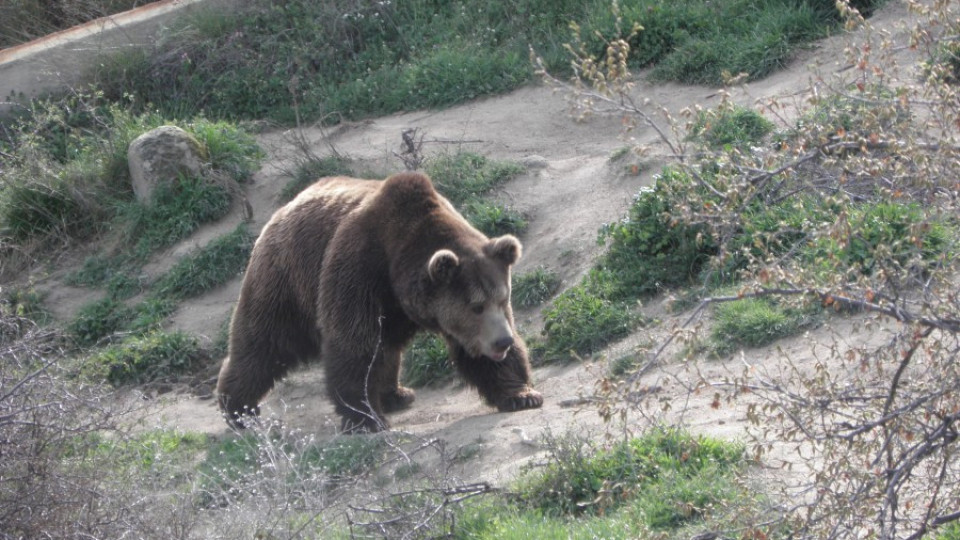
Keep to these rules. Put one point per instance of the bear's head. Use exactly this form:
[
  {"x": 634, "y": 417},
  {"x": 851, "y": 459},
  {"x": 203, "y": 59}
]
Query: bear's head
[{"x": 470, "y": 300}]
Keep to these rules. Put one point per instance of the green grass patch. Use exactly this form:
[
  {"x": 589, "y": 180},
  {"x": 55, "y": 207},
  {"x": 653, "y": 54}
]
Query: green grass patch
[
  {"x": 97, "y": 320},
  {"x": 660, "y": 482},
  {"x": 581, "y": 321},
  {"x": 346, "y": 456},
  {"x": 175, "y": 211},
  {"x": 950, "y": 531},
  {"x": 650, "y": 250},
  {"x": 426, "y": 361},
  {"x": 229, "y": 461},
  {"x": 653, "y": 249},
  {"x": 67, "y": 175},
  {"x": 697, "y": 42},
  {"x": 142, "y": 451},
  {"x": 214, "y": 264},
  {"x": 893, "y": 237},
  {"x": 196, "y": 273},
  {"x": 735, "y": 126},
  {"x": 42, "y": 206},
  {"x": 494, "y": 219},
  {"x": 153, "y": 356},
  {"x": 149, "y": 314},
  {"x": 464, "y": 178},
  {"x": 240, "y": 463},
  {"x": 754, "y": 322},
  {"x": 534, "y": 287}
]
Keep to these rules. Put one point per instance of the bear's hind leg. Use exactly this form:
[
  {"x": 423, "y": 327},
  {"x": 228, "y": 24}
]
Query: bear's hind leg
[
  {"x": 248, "y": 374},
  {"x": 356, "y": 388},
  {"x": 239, "y": 392}
]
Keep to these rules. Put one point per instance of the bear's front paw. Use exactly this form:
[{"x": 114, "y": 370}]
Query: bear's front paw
[
  {"x": 397, "y": 399},
  {"x": 529, "y": 399}
]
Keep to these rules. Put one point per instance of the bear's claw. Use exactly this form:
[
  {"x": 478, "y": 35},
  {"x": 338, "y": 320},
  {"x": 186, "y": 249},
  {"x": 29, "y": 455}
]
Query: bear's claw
[{"x": 531, "y": 399}]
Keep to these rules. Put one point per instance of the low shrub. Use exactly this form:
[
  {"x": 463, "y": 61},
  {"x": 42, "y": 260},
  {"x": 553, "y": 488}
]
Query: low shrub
[
  {"x": 534, "y": 287},
  {"x": 464, "y": 176},
  {"x": 153, "y": 356},
  {"x": 735, "y": 126},
  {"x": 219, "y": 261},
  {"x": 426, "y": 361},
  {"x": 583, "y": 479},
  {"x": 494, "y": 219},
  {"x": 753, "y": 322},
  {"x": 651, "y": 250},
  {"x": 97, "y": 320},
  {"x": 175, "y": 211},
  {"x": 580, "y": 321}
]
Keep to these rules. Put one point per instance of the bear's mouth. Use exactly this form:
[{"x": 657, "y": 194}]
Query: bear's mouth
[{"x": 499, "y": 356}]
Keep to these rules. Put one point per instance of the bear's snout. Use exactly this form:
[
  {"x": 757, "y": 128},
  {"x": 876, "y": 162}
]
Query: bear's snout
[
  {"x": 503, "y": 344},
  {"x": 498, "y": 352}
]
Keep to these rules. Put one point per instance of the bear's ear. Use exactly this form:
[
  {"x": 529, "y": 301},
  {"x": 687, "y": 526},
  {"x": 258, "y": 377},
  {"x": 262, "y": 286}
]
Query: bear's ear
[
  {"x": 443, "y": 266},
  {"x": 505, "y": 248}
]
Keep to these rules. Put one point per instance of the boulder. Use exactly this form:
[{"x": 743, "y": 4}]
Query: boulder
[{"x": 163, "y": 155}]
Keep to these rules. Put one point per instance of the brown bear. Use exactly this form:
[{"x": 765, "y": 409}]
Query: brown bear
[{"x": 349, "y": 271}]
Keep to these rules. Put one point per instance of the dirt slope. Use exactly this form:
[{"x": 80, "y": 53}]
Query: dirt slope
[{"x": 570, "y": 189}]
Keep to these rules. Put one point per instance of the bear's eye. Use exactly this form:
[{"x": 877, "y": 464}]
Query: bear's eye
[{"x": 477, "y": 308}]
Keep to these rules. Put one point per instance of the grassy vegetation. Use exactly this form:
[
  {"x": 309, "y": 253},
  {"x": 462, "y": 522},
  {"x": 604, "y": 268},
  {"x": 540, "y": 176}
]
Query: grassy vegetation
[
  {"x": 145, "y": 451},
  {"x": 25, "y": 20},
  {"x": 648, "y": 252},
  {"x": 175, "y": 211},
  {"x": 271, "y": 60},
  {"x": 949, "y": 532},
  {"x": 426, "y": 362},
  {"x": 66, "y": 176},
  {"x": 464, "y": 178},
  {"x": 580, "y": 321},
  {"x": 150, "y": 357},
  {"x": 735, "y": 126},
  {"x": 534, "y": 287},
  {"x": 25, "y": 303},
  {"x": 753, "y": 322},
  {"x": 232, "y": 463},
  {"x": 67, "y": 179},
  {"x": 653, "y": 249},
  {"x": 219, "y": 261},
  {"x": 197, "y": 272},
  {"x": 659, "y": 482}
]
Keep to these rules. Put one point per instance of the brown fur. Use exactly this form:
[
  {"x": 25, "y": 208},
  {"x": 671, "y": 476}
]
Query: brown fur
[{"x": 349, "y": 271}]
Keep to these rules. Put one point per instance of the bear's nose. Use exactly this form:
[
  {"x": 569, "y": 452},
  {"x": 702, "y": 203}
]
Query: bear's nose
[{"x": 503, "y": 343}]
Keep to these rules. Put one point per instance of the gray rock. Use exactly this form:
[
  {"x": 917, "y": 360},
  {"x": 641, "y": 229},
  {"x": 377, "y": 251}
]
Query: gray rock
[
  {"x": 535, "y": 162},
  {"x": 162, "y": 155}
]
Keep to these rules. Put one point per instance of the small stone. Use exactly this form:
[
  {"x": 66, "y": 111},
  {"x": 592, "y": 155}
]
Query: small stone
[{"x": 535, "y": 162}]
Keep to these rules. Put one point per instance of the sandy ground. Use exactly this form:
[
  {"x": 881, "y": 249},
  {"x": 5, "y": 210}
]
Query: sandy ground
[{"x": 570, "y": 188}]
